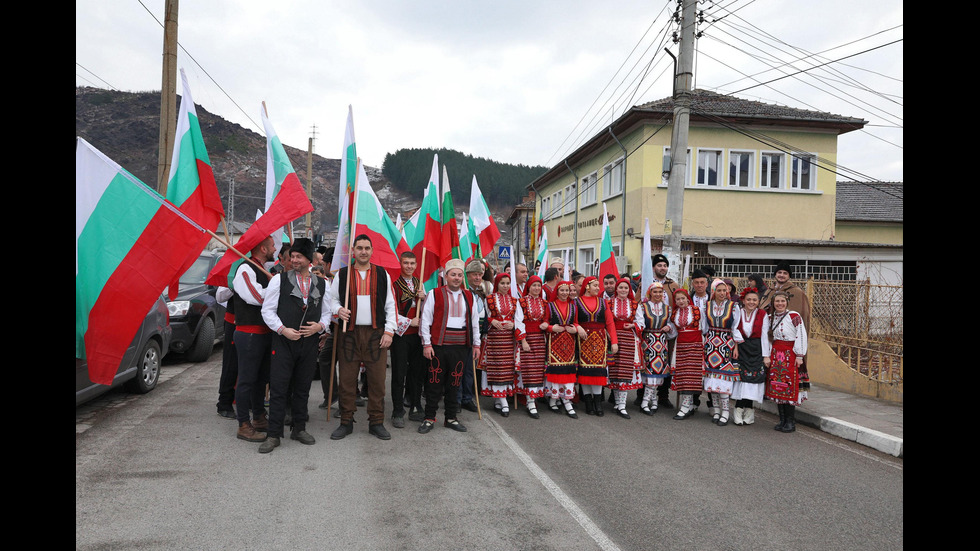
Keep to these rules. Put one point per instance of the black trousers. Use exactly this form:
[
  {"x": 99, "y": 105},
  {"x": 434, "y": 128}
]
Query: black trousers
[
  {"x": 229, "y": 370},
  {"x": 406, "y": 372},
  {"x": 293, "y": 363},
  {"x": 445, "y": 376},
  {"x": 327, "y": 371},
  {"x": 253, "y": 373}
]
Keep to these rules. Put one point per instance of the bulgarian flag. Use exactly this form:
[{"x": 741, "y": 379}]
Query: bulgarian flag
[
  {"x": 465, "y": 248},
  {"x": 277, "y": 170},
  {"x": 371, "y": 220},
  {"x": 450, "y": 233},
  {"x": 289, "y": 202},
  {"x": 486, "y": 228},
  {"x": 426, "y": 239},
  {"x": 607, "y": 262},
  {"x": 130, "y": 243},
  {"x": 345, "y": 202},
  {"x": 474, "y": 239},
  {"x": 543, "y": 254},
  {"x": 191, "y": 187},
  {"x": 646, "y": 261}
]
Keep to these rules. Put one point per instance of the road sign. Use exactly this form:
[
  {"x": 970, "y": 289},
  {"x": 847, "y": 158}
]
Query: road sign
[{"x": 503, "y": 253}]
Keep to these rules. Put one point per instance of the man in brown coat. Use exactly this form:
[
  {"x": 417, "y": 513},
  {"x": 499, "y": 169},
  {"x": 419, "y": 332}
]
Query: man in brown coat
[{"x": 798, "y": 302}]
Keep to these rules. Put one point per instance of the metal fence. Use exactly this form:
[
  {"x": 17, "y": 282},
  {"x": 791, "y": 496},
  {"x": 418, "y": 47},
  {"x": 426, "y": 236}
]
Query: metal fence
[{"x": 863, "y": 323}]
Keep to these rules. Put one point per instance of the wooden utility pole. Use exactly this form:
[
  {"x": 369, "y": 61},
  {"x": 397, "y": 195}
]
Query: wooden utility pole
[
  {"x": 168, "y": 96},
  {"x": 683, "y": 79}
]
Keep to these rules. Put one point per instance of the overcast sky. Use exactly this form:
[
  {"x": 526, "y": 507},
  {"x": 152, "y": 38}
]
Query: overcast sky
[{"x": 506, "y": 80}]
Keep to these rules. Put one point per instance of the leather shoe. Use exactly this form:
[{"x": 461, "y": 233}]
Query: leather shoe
[
  {"x": 470, "y": 406},
  {"x": 303, "y": 437},
  {"x": 454, "y": 424},
  {"x": 269, "y": 445},
  {"x": 622, "y": 413},
  {"x": 343, "y": 430},
  {"x": 416, "y": 414},
  {"x": 505, "y": 412},
  {"x": 534, "y": 414},
  {"x": 248, "y": 433},
  {"x": 261, "y": 423},
  {"x": 398, "y": 422},
  {"x": 426, "y": 426},
  {"x": 227, "y": 413},
  {"x": 380, "y": 431}
]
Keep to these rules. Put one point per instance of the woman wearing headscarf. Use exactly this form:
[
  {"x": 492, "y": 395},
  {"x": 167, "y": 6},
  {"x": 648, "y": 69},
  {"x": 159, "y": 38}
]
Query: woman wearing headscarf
[
  {"x": 720, "y": 348},
  {"x": 653, "y": 319},
  {"x": 562, "y": 361},
  {"x": 595, "y": 329},
  {"x": 624, "y": 370},
  {"x": 688, "y": 361},
  {"x": 750, "y": 386},
  {"x": 499, "y": 361},
  {"x": 530, "y": 380},
  {"x": 783, "y": 348}
]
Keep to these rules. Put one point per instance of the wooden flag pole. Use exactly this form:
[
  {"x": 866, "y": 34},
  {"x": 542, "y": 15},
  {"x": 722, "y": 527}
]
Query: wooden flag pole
[
  {"x": 350, "y": 247},
  {"x": 239, "y": 253},
  {"x": 333, "y": 372}
]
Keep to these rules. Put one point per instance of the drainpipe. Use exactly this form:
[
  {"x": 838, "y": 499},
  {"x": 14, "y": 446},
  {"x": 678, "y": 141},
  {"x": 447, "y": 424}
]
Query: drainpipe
[
  {"x": 575, "y": 226},
  {"x": 622, "y": 236}
]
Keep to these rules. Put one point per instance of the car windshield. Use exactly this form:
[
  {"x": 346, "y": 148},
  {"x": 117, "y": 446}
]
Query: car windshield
[{"x": 198, "y": 272}]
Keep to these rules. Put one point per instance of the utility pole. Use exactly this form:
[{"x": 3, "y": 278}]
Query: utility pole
[
  {"x": 309, "y": 186},
  {"x": 683, "y": 79},
  {"x": 168, "y": 96}
]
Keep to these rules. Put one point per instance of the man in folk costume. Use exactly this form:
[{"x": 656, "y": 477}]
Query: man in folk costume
[
  {"x": 293, "y": 310},
  {"x": 406, "y": 345},
  {"x": 253, "y": 341},
  {"x": 450, "y": 331},
  {"x": 798, "y": 302},
  {"x": 552, "y": 277},
  {"x": 480, "y": 289},
  {"x": 521, "y": 273},
  {"x": 370, "y": 320}
]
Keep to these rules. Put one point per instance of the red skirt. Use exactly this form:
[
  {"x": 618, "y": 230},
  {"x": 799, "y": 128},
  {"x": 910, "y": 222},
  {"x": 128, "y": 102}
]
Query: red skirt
[
  {"x": 688, "y": 362},
  {"x": 783, "y": 381},
  {"x": 624, "y": 374}
]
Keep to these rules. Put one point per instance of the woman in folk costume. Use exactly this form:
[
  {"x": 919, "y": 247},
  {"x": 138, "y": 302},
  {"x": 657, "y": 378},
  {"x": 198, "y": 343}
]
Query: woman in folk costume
[
  {"x": 688, "y": 361},
  {"x": 653, "y": 319},
  {"x": 499, "y": 360},
  {"x": 595, "y": 328},
  {"x": 751, "y": 384},
  {"x": 530, "y": 380},
  {"x": 783, "y": 348},
  {"x": 562, "y": 360},
  {"x": 721, "y": 338},
  {"x": 624, "y": 372}
]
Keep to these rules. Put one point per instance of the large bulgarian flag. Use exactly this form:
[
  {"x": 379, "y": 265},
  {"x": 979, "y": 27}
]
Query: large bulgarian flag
[
  {"x": 345, "y": 200},
  {"x": 191, "y": 187},
  {"x": 607, "y": 262},
  {"x": 130, "y": 243},
  {"x": 486, "y": 228},
  {"x": 426, "y": 238},
  {"x": 289, "y": 202},
  {"x": 473, "y": 239},
  {"x": 371, "y": 219},
  {"x": 450, "y": 233}
]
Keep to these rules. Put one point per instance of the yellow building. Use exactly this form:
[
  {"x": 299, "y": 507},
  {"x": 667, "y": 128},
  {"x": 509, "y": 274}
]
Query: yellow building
[{"x": 760, "y": 188}]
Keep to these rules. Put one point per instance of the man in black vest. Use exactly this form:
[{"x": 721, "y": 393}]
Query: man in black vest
[
  {"x": 293, "y": 310},
  {"x": 361, "y": 296}
]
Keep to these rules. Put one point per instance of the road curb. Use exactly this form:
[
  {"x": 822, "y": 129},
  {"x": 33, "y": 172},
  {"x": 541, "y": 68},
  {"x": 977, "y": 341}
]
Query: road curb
[{"x": 885, "y": 443}]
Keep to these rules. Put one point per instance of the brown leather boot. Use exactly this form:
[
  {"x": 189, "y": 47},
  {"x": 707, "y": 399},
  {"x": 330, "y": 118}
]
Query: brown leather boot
[
  {"x": 261, "y": 423},
  {"x": 247, "y": 432}
]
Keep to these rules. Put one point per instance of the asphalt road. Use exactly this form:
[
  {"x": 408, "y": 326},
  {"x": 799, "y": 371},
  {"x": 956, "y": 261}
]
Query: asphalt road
[{"x": 163, "y": 471}]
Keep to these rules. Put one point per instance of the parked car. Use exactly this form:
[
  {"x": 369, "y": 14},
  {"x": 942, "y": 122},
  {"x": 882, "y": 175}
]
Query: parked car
[
  {"x": 196, "y": 317},
  {"x": 139, "y": 369}
]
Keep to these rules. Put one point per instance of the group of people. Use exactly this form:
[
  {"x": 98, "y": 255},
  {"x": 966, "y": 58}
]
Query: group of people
[{"x": 560, "y": 343}]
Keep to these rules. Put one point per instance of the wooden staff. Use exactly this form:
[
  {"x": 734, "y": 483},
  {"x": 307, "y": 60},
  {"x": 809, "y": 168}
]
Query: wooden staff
[
  {"x": 350, "y": 247},
  {"x": 333, "y": 372},
  {"x": 239, "y": 253}
]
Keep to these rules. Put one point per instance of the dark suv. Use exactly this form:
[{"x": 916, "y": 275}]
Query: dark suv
[{"x": 196, "y": 317}]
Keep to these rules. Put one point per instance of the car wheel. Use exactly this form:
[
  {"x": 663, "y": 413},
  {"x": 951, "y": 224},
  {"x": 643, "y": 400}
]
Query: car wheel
[
  {"x": 204, "y": 343},
  {"x": 147, "y": 369}
]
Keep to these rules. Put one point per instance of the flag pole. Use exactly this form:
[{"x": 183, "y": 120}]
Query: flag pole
[
  {"x": 333, "y": 369},
  {"x": 239, "y": 253},
  {"x": 353, "y": 228}
]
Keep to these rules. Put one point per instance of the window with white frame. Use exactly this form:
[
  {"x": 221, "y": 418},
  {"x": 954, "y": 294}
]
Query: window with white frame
[
  {"x": 557, "y": 206},
  {"x": 589, "y": 189},
  {"x": 586, "y": 257},
  {"x": 545, "y": 208},
  {"x": 687, "y": 169},
  {"x": 740, "y": 166},
  {"x": 709, "y": 167},
  {"x": 804, "y": 171},
  {"x": 570, "y": 199},
  {"x": 771, "y": 172},
  {"x": 612, "y": 179}
]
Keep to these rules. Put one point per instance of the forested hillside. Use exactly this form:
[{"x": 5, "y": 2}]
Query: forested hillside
[{"x": 502, "y": 184}]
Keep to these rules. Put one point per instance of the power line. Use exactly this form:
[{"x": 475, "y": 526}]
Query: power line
[{"x": 95, "y": 75}]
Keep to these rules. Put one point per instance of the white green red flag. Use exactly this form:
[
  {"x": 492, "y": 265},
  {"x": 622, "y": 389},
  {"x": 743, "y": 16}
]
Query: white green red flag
[
  {"x": 191, "y": 187},
  {"x": 646, "y": 261},
  {"x": 426, "y": 239},
  {"x": 486, "y": 228},
  {"x": 607, "y": 261},
  {"x": 277, "y": 170},
  {"x": 130, "y": 243},
  {"x": 345, "y": 201},
  {"x": 450, "y": 233},
  {"x": 289, "y": 202},
  {"x": 465, "y": 248},
  {"x": 474, "y": 239},
  {"x": 371, "y": 219},
  {"x": 542, "y": 256}
]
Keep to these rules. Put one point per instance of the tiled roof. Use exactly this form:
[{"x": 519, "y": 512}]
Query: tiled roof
[
  {"x": 704, "y": 102},
  {"x": 870, "y": 201}
]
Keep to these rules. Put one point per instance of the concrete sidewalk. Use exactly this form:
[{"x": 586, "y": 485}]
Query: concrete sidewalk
[{"x": 873, "y": 423}]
